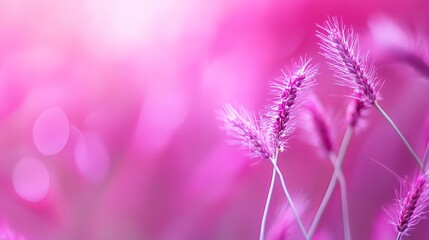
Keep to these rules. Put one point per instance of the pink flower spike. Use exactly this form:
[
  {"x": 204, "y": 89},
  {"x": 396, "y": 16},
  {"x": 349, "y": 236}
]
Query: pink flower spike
[
  {"x": 289, "y": 92},
  {"x": 341, "y": 47},
  {"x": 319, "y": 126},
  {"x": 410, "y": 206},
  {"x": 245, "y": 131}
]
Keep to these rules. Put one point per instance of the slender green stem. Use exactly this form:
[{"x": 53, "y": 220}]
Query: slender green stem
[
  {"x": 289, "y": 199},
  {"x": 268, "y": 201},
  {"x": 404, "y": 140},
  {"x": 337, "y": 165}
]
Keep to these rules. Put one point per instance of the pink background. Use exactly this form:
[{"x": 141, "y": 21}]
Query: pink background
[{"x": 108, "y": 126}]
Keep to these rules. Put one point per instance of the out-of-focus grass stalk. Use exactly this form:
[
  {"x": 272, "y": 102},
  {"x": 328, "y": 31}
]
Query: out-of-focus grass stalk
[
  {"x": 337, "y": 171},
  {"x": 426, "y": 156}
]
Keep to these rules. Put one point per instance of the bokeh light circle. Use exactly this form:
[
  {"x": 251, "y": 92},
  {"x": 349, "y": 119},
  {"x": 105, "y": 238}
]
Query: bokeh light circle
[
  {"x": 92, "y": 157},
  {"x": 31, "y": 179},
  {"x": 51, "y": 131}
]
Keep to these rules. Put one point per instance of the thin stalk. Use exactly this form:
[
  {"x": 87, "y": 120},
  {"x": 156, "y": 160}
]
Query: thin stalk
[
  {"x": 404, "y": 140},
  {"x": 337, "y": 165},
  {"x": 344, "y": 202},
  {"x": 268, "y": 201},
  {"x": 289, "y": 199},
  {"x": 426, "y": 157},
  {"x": 322, "y": 206},
  {"x": 345, "y": 145},
  {"x": 399, "y": 236}
]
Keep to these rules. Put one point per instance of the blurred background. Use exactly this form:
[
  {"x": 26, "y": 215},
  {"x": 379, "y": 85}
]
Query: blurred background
[{"x": 108, "y": 127}]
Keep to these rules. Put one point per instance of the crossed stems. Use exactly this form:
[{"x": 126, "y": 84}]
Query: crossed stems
[
  {"x": 268, "y": 201},
  {"x": 341, "y": 155},
  {"x": 337, "y": 175},
  {"x": 288, "y": 197}
]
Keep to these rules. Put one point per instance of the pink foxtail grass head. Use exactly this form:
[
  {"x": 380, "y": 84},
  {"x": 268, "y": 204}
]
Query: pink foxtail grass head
[
  {"x": 245, "y": 131},
  {"x": 352, "y": 67},
  {"x": 410, "y": 205},
  {"x": 289, "y": 91},
  {"x": 319, "y": 126},
  {"x": 262, "y": 137}
]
